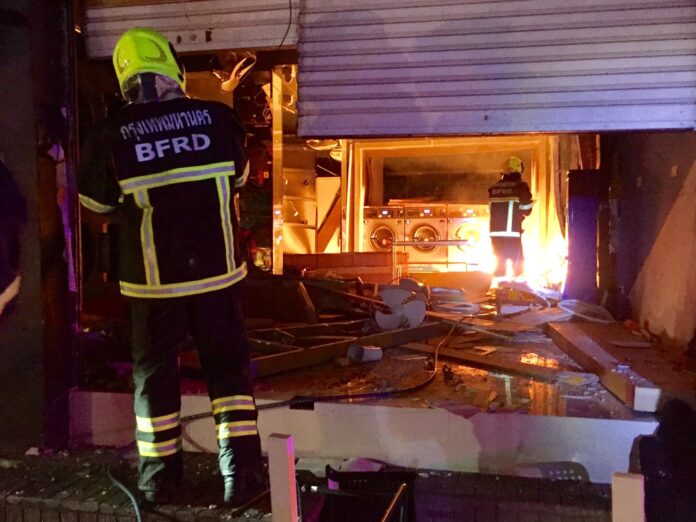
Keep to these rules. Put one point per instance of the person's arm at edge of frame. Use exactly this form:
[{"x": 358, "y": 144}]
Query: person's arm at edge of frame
[{"x": 15, "y": 219}]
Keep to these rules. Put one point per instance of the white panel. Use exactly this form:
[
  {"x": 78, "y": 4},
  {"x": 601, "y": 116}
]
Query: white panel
[
  {"x": 202, "y": 25},
  {"x": 425, "y": 438},
  {"x": 429, "y": 67}
]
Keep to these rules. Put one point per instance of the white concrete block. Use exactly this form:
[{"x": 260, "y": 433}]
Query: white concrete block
[
  {"x": 627, "y": 498},
  {"x": 281, "y": 469}
]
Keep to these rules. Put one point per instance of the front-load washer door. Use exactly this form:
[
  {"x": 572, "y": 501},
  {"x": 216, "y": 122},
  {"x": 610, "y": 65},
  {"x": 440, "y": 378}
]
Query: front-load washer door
[
  {"x": 470, "y": 232},
  {"x": 425, "y": 234},
  {"x": 382, "y": 238}
]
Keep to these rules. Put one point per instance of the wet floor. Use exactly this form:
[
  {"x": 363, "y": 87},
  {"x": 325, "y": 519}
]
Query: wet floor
[{"x": 457, "y": 387}]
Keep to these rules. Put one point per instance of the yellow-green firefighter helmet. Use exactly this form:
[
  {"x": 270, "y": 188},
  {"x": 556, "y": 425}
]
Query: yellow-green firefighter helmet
[
  {"x": 141, "y": 50},
  {"x": 513, "y": 164}
]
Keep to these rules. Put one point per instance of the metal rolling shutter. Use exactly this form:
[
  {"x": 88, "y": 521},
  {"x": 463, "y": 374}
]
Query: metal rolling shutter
[
  {"x": 439, "y": 67},
  {"x": 202, "y": 25}
]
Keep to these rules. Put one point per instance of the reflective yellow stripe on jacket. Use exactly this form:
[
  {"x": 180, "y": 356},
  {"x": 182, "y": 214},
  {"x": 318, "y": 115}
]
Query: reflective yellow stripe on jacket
[
  {"x": 183, "y": 289},
  {"x": 139, "y": 187},
  {"x": 511, "y": 202},
  {"x": 180, "y": 175}
]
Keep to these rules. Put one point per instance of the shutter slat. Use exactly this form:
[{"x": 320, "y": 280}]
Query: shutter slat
[
  {"x": 441, "y": 67},
  {"x": 196, "y": 26}
]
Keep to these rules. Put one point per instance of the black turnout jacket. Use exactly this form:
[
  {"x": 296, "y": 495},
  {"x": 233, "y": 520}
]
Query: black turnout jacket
[{"x": 171, "y": 168}]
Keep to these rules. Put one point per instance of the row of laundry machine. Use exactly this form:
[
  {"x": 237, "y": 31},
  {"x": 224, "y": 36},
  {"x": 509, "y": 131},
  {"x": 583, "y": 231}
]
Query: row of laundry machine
[{"x": 427, "y": 224}]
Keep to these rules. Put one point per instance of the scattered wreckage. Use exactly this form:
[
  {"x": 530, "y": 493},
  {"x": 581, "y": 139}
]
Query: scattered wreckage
[{"x": 350, "y": 323}]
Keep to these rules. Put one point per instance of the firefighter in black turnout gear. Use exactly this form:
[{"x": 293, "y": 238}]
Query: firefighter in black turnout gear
[
  {"x": 170, "y": 166},
  {"x": 510, "y": 202}
]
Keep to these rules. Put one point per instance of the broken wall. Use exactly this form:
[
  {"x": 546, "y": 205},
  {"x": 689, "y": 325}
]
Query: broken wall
[{"x": 654, "y": 219}]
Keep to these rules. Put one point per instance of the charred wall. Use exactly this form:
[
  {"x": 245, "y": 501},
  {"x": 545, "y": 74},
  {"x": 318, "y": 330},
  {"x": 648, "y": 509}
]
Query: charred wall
[{"x": 653, "y": 202}]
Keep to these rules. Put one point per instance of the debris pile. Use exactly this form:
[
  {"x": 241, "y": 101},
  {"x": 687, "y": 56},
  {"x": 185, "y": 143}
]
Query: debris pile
[{"x": 513, "y": 331}]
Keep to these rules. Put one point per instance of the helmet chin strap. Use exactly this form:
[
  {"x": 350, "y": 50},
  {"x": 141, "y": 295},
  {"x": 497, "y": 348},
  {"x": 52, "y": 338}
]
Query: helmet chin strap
[{"x": 151, "y": 87}]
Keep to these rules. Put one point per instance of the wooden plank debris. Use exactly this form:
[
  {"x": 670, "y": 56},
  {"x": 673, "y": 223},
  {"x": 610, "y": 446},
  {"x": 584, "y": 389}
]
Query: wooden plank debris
[
  {"x": 269, "y": 347},
  {"x": 310, "y": 311},
  {"x": 371, "y": 267},
  {"x": 477, "y": 325},
  {"x": 627, "y": 497},
  {"x": 666, "y": 369},
  {"x": 302, "y": 357},
  {"x": 318, "y": 340},
  {"x": 273, "y": 334},
  {"x": 281, "y": 467},
  {"x": 481, "y": 325},
  {"x": 588, "y": 344},
  {"x": 488, "y": 362},
  {"x": 336, "y": 328},
  {"x": 631, "y": 343},
  {"x": 542, "y": 316},
  {"x": 291, "y": 338}
]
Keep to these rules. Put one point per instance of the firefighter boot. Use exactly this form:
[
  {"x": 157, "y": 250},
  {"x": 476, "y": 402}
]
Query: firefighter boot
[
  {"x": 245, "y": 485},
  {"x": 157, "y": 498}
]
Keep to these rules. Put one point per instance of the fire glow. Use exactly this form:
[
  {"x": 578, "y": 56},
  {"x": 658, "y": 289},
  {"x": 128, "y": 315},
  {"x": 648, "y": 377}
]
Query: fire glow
[{"x": 545, "y": 263}]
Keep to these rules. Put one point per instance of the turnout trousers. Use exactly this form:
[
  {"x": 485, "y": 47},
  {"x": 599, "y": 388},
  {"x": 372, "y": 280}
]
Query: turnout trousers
[
  {"x": 215, "y": 320},
  {"x": 508, "y": 248}
]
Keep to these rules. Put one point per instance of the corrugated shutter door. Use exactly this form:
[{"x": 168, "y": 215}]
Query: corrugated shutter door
[
  {"x": 439, "y": 67},
  {"x": 203, "y": 25}
]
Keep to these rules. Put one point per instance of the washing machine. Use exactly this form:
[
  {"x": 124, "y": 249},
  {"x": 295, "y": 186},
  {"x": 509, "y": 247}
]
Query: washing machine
[
  {"x": 426, "y": 224},
  {"x": 470, "y": 223},
  {"x": 382, "y": 226}
]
